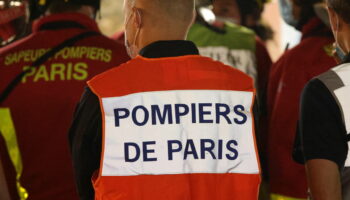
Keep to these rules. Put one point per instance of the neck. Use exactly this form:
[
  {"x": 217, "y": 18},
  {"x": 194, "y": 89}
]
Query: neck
[{"x": 150, "y": 36}]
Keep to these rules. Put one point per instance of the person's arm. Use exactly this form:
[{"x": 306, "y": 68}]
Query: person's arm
[
  {"x": 85, "y": 139},
  {"x": 323, "y": 141},
  {"x": 324, "y": 179}
]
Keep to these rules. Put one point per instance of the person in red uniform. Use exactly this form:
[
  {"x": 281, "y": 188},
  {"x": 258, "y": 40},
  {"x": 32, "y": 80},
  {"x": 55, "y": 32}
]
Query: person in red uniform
[
  {"x": 288, "y": 77},
  {"x": 43, "y": 102},
  {"x": 168, "y": 124}
]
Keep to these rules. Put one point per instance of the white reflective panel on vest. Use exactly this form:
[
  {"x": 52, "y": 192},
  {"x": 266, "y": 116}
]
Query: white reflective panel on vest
[
  {"x": 179, "y": 132},
  {"x": 343, "y": 95},
  {"x": 343, "y": 72}
]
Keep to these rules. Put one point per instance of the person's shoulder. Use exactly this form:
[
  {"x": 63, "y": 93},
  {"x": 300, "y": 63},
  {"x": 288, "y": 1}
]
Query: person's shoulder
[
  {"x": 197, "y": 28},
  {"x": 119, "y": 69},
  {"x": 317, "y": 40},
  {"x": 336, "y": 77},
  {"x": 238, "y": 29},
  {"x": 310, "y": 57},
  {"x": 314, "y": 86},
  {"x": 104, "y": 41},
  {"x": 315, "y": 45},
  {"x": 343, "y": 68},
  {"x": 17, "y": 45},
  {"x": 221, "y": 67},
  {"x": 317, "y": 91}
]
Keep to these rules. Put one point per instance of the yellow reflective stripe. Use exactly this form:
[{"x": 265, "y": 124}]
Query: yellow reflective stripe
[
  {"x": 281, "y": 197},
  {"x": 7, "y": 130}
]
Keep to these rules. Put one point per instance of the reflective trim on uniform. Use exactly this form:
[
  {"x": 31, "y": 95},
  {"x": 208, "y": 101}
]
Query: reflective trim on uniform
[
  {"x": 343, "y": 93},
  {"x": 7, "y": 130},
  {"x": 343, "y": 97},
  {"x": 343, "y": 72},
  {"x": 281, "y": 197},
  {"x": 179, "y": 132}
]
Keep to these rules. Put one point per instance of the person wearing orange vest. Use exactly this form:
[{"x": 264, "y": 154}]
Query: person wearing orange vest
[
  {"x": 169, "y": 124},
  {"x": 39, "y": 109}
]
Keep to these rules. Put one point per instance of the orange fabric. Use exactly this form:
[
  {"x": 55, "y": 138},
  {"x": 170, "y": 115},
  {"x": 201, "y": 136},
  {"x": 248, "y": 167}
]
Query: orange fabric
[
  {"x": 179, "y": 187},
  {"x": 177, "y": 73}
]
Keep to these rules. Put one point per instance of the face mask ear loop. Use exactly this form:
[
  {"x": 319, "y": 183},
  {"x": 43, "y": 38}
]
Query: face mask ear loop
[
  {"x": 138, "y": 27},
  {"x": 127, "y": 20},
  {"x": 136, "y": 35},
  {"x": 336, "y": 33}
]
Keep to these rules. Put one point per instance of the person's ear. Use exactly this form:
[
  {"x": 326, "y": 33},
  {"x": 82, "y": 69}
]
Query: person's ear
[{"x": 333, "y": 19}]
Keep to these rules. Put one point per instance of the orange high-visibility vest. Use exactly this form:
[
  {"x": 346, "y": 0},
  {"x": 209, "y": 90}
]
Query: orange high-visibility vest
[{"x": 178, "y": 128}]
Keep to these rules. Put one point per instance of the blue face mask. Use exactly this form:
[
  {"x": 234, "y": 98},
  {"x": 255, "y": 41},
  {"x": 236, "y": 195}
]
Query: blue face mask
[
  {"x": 342, "y": 56},
  {"x": 286, "y": 9}
]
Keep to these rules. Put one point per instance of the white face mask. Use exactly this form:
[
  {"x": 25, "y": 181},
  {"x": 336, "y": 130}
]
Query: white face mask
[{"x": 131, "y": 48}]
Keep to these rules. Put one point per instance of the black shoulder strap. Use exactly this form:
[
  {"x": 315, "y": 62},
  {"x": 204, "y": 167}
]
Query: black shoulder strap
[{"x": 69, "y": 42}]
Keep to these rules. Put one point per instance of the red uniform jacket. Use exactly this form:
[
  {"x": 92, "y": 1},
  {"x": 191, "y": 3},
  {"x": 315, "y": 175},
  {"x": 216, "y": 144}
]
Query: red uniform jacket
[
  {"x": 43, "y": 103},
  {"x": 287, "y": 79}
]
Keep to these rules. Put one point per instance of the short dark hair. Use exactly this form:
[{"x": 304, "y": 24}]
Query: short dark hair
[{"x": 342, "y": 8}]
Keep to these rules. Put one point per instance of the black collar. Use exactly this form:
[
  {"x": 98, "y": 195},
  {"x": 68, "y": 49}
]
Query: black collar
[
  {"x": 61, "y": 25},
  {"x": 173, "y": 48}
]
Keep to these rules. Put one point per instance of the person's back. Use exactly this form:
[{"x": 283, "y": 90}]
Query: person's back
[
  {"x": 325, "y": 117},
  {"x": 226, "y": 41},
  {"x": 188, "y": 126},
  {"x": 233, "y": 45},
  {"x": 174, "y": 125},
  {"x": 43, "y": 103}
]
